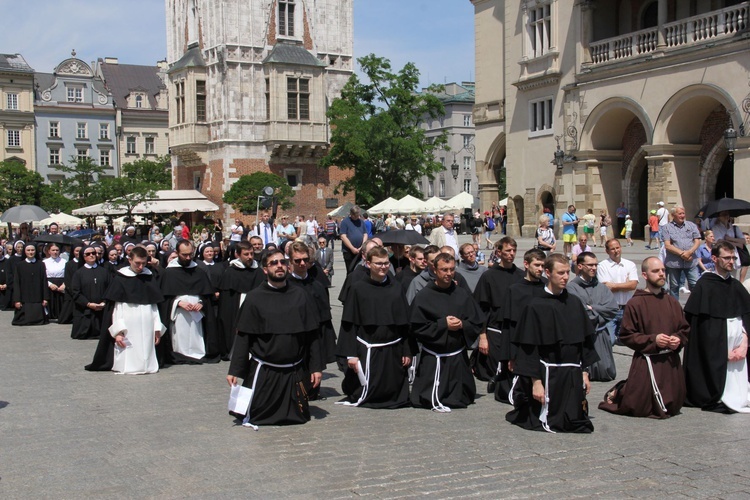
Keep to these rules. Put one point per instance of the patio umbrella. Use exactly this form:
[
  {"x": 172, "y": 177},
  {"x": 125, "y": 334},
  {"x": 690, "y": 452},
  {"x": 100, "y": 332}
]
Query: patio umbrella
[
  {"x": 60, "y": 239},
  {"x": 402, "y": 237},
  {"x": 734, "y": 206},
  {"x": 24, "y": 213},
  {"x": 82, "y": 233}
]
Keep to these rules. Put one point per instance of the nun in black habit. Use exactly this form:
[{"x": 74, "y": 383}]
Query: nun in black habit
[
  {"x": 88, "y": 286},
  {"x": 30, "y": 291},
  {"x": 6, "y": 281},
  {"x": 65, "y": 317}
]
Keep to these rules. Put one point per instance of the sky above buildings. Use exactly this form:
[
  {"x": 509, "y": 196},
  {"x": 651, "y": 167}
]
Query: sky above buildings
[{"x": 437, "y": 35}]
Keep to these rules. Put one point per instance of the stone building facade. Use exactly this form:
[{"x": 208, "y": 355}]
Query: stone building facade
[
  {"x": 250, "y": 82},
  {"x": 17, "y": 110},
  {"x": 140, "y": 98},
  {"x": 74, "y": 119},
  {"x": 457, "y": 123},
  {"x": 638, "y": 93}
]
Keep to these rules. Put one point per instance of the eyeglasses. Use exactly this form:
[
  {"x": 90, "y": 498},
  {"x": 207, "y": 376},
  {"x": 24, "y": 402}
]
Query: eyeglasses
[
  {"x": 300, "y": 261},
  {"x": 88, "y": 253},
  {"x": 276, "y": 262},
  {"x": 380, "y": 264},
  {"x": 726, "y": 257}
]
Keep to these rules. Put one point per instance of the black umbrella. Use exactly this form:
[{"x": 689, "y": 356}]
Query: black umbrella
[
  {"x": 734, "y": 206},
  {"x": 402, "y": 237},
  {"x": 23, "y": 213},
  {"x": 60, "y": 239}
]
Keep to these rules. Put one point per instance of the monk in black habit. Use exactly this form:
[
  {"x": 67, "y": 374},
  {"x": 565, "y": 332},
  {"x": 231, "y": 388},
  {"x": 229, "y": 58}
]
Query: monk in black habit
[
  {"x": 277, "y": 351},
  {"x": 374, "y": 339},
  {"x": 445, "y": 321},
  {"x": 555, "y": 343},
  {"x": 518, "y": 297},
  {"x": 491, "y": 292},
  {"x": 30, "y": 290},
  {"x": 714, "y": 368},
  {"x": 187, "y": 342},
  {"x": 302, "y": 262},
  {"x": 241, "y": 275},
  {"x": 88, "y": 286}
]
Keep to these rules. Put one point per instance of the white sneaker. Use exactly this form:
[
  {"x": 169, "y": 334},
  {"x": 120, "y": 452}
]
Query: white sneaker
[{"x": 684, "y": 290}]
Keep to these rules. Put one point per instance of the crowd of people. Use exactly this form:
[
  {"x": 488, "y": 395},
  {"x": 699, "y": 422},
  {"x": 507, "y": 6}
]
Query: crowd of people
[{"x": 420, "y": 323}]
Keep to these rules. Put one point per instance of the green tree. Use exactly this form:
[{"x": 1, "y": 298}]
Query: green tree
[
  {"x": 375, "y": 131},
  {"x": 19, "y": 185},
  {"x": 139, "y": 182},
  {"x": 81, "y": 181},
  {"x": 53, "y": 200},
  {"x": 243, "y": 195}
]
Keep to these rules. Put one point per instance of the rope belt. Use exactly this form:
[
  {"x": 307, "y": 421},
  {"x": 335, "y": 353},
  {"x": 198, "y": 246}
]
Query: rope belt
[
  {"x": 545, "y": 407},
  {"x": 499, "y": 369},
  {"x": 436, "y": 404},
  {"x": 654, "y": 385},
  {"x": 246, "y": 420},
  {"x": 366, "y": 385}
]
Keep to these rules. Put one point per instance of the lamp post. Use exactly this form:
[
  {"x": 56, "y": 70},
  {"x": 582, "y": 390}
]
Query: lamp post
[
  {"x": 559, "y": 156},
  {"x": 730, "y": 141},
  {"x": 454, "y": 168}
]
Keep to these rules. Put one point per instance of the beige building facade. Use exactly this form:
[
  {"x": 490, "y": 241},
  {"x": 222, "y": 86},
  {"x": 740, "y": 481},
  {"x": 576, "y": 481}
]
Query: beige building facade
[
  {"x": 17, "y": 110},
  {"x": 249, "y": 84},
  {"x": 637, "y": 93}
]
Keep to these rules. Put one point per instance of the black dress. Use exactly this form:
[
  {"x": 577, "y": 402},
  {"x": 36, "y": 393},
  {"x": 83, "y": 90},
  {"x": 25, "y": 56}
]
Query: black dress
[
  {"x": 89, "y": 285},
  {"x": 30, "y": 289},
  {"x": 6, "y": 278}
]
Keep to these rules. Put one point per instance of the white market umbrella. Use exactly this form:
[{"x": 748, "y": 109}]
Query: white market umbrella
[
  {"x": 460, "y": 201},
  {"x": 383, "y": 207},
  {"x": 502, "y": 202},
  {"x": 62, "y": 219},
  {"x": 434, "y": 205},
  {"x": 408, "y": 204}
]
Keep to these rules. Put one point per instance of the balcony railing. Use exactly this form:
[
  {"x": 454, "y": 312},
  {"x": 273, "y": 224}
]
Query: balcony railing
[{"x": 685, "y": 32}]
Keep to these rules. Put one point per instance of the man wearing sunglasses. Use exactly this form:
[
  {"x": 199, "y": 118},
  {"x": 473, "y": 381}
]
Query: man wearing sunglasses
[
  {"x": 277, "y": 354},
  {"x": 301, "y": 262}
]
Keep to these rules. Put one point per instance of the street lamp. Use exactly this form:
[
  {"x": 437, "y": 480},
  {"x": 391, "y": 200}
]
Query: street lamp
[
  {"x": 730, "y": 140},
  {"x": 560, "y": 158},
  {"x": 454, "y": 168}
]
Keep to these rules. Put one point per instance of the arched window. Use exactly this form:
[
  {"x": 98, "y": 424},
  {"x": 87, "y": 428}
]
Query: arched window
[
  {"x": 139, "y": 101},
  {"x": 650, "y": 16}
]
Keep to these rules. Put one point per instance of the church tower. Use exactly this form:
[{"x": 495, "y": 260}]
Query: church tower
[{"x": 250, "y": 82}]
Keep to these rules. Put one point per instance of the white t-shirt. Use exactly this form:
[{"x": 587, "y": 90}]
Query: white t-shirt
[
  {"x": 312, "y": 228},
  {"x": 236, "y": 236},
  {"x": 663, "y": 215}
]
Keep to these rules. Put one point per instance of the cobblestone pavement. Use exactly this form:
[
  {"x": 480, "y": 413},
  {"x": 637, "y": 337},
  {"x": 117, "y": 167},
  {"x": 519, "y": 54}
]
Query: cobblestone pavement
[{"x": 67, "y": 433}]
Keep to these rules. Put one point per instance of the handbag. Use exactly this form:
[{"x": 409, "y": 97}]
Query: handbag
[{"x": 622, "y": 233}]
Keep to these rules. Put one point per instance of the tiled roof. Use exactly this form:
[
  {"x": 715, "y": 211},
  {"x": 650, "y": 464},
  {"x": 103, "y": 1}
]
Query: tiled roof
[
  {"x": 121, "y": 79},
  {"x": 190, "y": 59},
  {"x": 14, "y": 62},
  {"x": 292, "y": 53}
]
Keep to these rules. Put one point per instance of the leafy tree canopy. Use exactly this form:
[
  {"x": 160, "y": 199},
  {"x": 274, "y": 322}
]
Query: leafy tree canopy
[
  {"x": 243, "y": 195},
  {"x": 19, "y": 185},
  {"x": 139, "y": 182},
  {"x": 375, "y": 131},
  {"x": 81, "y": 183}
]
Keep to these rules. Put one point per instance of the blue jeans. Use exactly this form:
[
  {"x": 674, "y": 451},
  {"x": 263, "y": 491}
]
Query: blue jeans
[
  {"x": 613, "y": 327},
  {"x": 674, "y": 275}
]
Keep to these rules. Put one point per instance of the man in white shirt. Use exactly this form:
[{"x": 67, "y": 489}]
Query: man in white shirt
[
  {"x": 265, "y": 230},
  {"x": 621, "y": 277},
  {"x": 414, "y": 225},
  {"x": 663, "y": 214},
  {"x": 312, "y": 229},
  {"x": 237, "y": 231}
]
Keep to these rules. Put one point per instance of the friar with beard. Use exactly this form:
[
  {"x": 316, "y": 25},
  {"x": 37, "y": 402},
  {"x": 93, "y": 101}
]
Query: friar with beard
[
  {"x": 191, "y": 333},
  {"x": 242, "y": 275},
  {"x": 277, "y": 351}
]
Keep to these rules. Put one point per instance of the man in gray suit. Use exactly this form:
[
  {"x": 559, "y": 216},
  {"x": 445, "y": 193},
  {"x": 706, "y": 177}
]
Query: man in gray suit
[{"x": 324, "y": 257}]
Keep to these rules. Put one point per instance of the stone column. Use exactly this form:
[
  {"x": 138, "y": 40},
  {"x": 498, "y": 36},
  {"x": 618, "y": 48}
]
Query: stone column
[
  {"x": 660, "y": 180},
  {"x": 661, "y": 42},
  {"x": 530, "y": 213},
  {"x": 487, "y": 185},
  {"x": 587, "y": 30}
]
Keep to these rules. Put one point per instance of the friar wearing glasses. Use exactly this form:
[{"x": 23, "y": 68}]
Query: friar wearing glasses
[
  {"x": 301, "y": 263},
  {"x": 374, "y": 339},
  {"x": 277, "y": 354}
]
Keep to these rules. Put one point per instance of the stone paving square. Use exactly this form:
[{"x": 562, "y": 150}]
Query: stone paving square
[{"x": 68, "y": 433}]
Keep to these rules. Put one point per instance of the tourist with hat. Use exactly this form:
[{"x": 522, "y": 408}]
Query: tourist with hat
[{"x": 653, "y": 224}]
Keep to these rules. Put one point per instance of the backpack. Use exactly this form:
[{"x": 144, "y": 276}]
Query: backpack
[{"x": 490, "y": 224}]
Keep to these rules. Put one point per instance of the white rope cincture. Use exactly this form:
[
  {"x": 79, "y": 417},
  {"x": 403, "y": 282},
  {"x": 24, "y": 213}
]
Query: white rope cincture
[
  {"x": 436, "y": 404},
  {"x": 654, "y": 385},
  {"x": 246, "y": 420},
  {"x": 545, "y": 406},
  {"x": 366, "y": 385}
]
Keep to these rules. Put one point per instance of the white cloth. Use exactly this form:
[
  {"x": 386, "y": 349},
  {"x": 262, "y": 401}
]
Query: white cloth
[
  {"x": 663, "y": 215},
  {"x": 266, "y": 232},
  {"x": 736, "y": 388},
  {"x": 137, "y": 322},
  {"x": 312, "y": 228},
  {"x": 187, "y": 329},
  {"x": 452, "y": 241},
  {"x": 610, "y": 271},
  {"x": 238, "y": 235},
  {"x": 55, "y": 267},
  {"x": 414, "y": 227}
]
